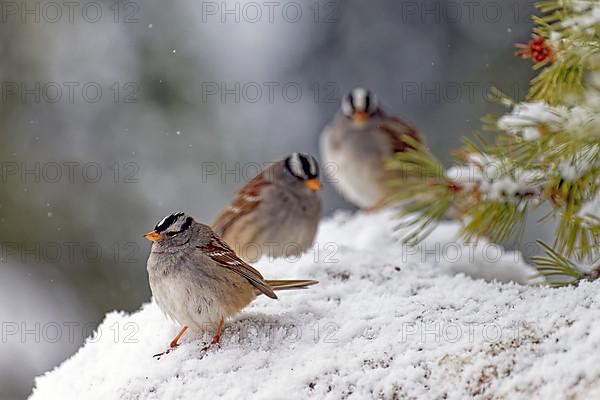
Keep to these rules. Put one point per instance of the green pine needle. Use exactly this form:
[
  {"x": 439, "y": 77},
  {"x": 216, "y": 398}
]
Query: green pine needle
[{"x": 564, "y": 158}]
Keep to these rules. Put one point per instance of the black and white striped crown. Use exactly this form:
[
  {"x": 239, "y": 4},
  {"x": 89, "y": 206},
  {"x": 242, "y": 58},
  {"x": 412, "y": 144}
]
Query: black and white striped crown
[
  {"x": 360, "y": 99},
  {"x": 176, "y": 222},
  {"x": 302, "y": 166}
]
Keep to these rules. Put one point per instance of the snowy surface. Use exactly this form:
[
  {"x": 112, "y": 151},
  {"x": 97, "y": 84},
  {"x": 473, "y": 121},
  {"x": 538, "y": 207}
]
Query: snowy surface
[{"x": 385, "y": 322}]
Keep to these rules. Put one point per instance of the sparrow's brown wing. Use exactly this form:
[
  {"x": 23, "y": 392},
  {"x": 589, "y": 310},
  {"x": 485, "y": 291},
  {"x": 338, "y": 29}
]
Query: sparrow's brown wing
[
  {"x": 245, "y": 201},
  {"x": 395, "y": 128},
  {"x": 223, "y": 255}
]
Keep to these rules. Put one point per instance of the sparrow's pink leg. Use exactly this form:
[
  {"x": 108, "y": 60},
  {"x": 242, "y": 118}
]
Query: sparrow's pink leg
[
  {"x": 174, "y": 343},
  {"x": 217, "y": 338}
]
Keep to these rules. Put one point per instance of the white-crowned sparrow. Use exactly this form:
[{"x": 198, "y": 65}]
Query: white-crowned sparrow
[
  {"x": 355, "y": 143},
  {"x": 277, "y": 213},
  {"x": 197, "y": 279}
]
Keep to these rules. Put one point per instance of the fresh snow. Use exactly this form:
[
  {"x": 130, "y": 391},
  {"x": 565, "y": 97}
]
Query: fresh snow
[
  {"x": 526, "y": 116},
  {"x": 494, "y": 178},
  {"x": 590, "y": 15},
  {"x": 387, "y": 321}
]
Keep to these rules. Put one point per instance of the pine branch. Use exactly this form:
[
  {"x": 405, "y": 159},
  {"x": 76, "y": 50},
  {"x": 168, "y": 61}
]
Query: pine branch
[
  {"x": 545, "y": 151},
  {"x": 416, "y": 179},
  {"x": 556, "y": 268}
]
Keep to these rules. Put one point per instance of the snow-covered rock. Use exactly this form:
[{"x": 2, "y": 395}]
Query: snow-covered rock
[{"x": 385, "y": 322}]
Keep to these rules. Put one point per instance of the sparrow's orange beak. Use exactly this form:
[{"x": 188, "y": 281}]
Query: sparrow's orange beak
[
  {"x": 360, "y": 117},
  {"x": 313, "y": 184},
  {"x": 153, "y": 236}
]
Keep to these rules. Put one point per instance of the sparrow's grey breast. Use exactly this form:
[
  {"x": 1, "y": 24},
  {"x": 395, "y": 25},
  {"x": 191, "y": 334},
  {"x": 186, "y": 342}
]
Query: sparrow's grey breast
[
  {"x": 354, "y": 154},
  {"x": 190, "y": 287}
]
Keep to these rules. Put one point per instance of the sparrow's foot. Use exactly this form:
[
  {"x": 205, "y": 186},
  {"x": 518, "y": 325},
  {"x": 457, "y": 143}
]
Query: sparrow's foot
[
  {"x": 174, "y": 343},
  {"x": 217, "y": 338},
  {"x": 208, "y": 346},
  {"x": 164, "y": 353}
]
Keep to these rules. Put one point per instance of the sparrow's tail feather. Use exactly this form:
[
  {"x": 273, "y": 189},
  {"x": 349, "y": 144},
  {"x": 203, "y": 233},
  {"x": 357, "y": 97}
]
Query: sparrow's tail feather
[{"x": 290, "y": 284}]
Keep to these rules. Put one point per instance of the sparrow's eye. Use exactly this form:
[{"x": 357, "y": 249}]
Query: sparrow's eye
[{"x": 171, "y": 234}]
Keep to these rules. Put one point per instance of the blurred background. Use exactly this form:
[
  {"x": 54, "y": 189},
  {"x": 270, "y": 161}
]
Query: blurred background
[{"x": 115, "y": 114}]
